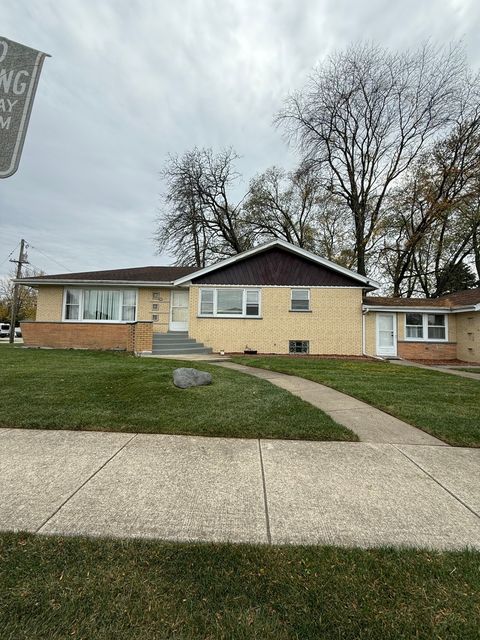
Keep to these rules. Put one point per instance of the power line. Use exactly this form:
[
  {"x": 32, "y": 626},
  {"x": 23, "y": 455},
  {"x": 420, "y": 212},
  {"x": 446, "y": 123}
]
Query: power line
[
  {"x": 49, "y": 257},
  {"x": 10, "y": 254}
]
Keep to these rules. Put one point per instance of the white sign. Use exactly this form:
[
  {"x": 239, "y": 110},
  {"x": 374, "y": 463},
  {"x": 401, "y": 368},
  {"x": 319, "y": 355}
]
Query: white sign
[{"x": 20, "y": 69}]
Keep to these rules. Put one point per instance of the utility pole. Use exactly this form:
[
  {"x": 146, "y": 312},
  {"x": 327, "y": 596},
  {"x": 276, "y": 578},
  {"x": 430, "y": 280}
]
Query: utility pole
[{"x": 22, "y": 259}]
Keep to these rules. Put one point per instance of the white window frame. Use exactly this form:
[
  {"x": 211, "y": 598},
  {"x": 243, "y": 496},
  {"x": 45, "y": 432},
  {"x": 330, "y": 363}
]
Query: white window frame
[
  {"x": 243, "y": 315},
  {"x": 425, "y": 327},
  {"x": 81, "y": 290},
  {"x": 291, "y": 300}
]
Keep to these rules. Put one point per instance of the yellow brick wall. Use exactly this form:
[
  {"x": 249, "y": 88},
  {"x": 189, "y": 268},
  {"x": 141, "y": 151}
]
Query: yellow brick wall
[
  {"x": 468, "y": 336},
  {"x": 370, "y": 333},
  {"x": 145, "y": 309},
  {"x": 49, "y": 304},
  {"x": 334, "y": 325}
]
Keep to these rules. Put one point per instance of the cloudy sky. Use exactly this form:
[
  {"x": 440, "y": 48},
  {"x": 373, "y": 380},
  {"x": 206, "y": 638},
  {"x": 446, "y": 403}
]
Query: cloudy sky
[{"x": 130, "y": 81}]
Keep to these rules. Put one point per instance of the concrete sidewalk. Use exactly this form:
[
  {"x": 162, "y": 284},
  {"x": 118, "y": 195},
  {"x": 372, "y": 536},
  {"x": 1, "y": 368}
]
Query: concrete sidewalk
[
  {"x": 261, "y": 491},
  {"x": 369, "y": 423}
]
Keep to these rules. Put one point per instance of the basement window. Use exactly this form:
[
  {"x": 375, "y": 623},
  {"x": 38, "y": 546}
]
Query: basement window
[{"x": 298, "y": 346}]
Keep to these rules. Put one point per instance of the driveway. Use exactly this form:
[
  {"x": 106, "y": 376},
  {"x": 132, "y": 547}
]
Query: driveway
[{"x": 261, "y": 491}]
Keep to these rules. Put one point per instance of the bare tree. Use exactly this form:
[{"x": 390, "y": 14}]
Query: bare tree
[
  {"x": 365, "y": 115},
  {"x": 284, "y": 205},
  {"x": 200, "y": 222},
  {"x": 435, "y": 215},
  {"x": 27, "y": 297}
]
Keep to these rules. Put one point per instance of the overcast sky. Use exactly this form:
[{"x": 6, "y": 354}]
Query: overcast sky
[{"x": 130, "y": 81}]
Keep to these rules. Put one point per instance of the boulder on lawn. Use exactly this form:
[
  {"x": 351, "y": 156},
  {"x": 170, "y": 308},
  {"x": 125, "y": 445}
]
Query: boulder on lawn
[{"x": 185, "y": 378}]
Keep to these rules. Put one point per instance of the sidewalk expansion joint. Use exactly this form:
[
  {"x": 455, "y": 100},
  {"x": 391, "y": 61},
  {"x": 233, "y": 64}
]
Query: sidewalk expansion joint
[
  {"x": 102, "y": 466},
  {"x": 265, "y": 500},
  {"x": 439, "y": 483}
]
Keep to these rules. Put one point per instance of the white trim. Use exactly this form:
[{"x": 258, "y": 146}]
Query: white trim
[
  {"x": 268, "y": 286},
  {"x": 241, "y": 316},
  {"x": 388, "y": 309},
  {"x": 425, "y": 328},
  {"x": 92, "y": 320},
  {"x": 378, "y": 350},
  {"x": 289, "y": 247}
]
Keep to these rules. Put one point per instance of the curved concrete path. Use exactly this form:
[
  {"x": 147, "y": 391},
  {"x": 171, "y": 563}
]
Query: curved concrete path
[
  {"x": 370, "y": 424},
  {"x": 188, "y": 488}
]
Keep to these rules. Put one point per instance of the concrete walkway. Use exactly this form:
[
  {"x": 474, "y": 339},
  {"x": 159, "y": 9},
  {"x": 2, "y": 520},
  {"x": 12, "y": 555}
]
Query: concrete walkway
[
  {"x": 262, "y": 491},
  {"x": 442, "y": 369},
  {"x": 370, "y": 424}
]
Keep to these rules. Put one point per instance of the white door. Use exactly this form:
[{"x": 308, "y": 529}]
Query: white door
[
  {"x": 386, "y": 334},
  {"x": 179, "y": 310}
]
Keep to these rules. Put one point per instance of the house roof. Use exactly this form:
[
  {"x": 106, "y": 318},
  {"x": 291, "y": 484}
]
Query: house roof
[
  {"x": 133, "y": 275},
  {"x": 466, "y": 298},
  {"x": 181, "y": 275},
  {"x": 281, "y": 244}
]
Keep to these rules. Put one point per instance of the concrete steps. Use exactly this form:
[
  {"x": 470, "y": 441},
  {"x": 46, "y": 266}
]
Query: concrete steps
[{"x": 177, "y": 342}]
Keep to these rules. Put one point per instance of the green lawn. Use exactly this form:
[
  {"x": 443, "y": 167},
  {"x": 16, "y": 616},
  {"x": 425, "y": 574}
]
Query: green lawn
[
  {"x": 54, "y": 389},
  {"x": 73, "y": 588},
  {"x": 446, "y": 406}
]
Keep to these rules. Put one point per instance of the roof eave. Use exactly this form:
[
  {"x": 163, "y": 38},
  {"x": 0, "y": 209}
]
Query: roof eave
[{"x": 110, "y": 283}]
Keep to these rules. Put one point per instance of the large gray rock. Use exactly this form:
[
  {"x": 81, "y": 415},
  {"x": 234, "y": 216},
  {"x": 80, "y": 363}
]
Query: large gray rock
[{"x": 185, "y": 378}]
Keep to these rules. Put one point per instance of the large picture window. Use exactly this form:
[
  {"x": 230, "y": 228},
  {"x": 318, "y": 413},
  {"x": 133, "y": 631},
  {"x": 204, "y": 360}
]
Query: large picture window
[
  {"x": 426, "y": 327},
  {"x": 230, "y": 303},
  {"x": 100, "y": 305}
]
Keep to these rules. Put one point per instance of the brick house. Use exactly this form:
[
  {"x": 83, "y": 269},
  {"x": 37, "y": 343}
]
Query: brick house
[{"x": 275, "y": 298}]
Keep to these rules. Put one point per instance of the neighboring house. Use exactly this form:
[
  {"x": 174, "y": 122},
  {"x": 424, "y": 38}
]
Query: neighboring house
[
  {"x": 444, "y": 328},
  {"x": 275, "y": 298}
]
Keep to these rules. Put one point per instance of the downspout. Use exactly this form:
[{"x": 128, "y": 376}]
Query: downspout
[{"x": 364, "y": 351}]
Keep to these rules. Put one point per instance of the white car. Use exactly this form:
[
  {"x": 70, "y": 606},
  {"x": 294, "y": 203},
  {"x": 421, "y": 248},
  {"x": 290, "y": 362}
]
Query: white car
[{"x": 5, "y": 331}]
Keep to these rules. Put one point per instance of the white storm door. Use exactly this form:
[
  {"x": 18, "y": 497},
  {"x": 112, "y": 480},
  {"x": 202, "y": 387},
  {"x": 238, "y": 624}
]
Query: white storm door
[
  {"x": 386, "y": 334},
  {"x": 179, "y": 310}
]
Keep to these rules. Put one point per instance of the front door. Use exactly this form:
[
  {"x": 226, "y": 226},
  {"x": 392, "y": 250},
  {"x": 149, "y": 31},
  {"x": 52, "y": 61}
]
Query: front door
[
  {"x": 179, "y": 310},
  {"x": 386, "y": 334}
]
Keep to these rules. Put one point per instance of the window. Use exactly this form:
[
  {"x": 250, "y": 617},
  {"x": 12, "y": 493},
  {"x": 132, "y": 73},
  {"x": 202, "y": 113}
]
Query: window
[
  {"x": 436, "y": 327},
  {"x": 298, "y": 346},
  {"x": 154, "y": 306},
  {"x": 155, "y": 317},
  {"x": 300, "y": 300},
  {"x": 100, "y": 305},
  {"x": 72, "y": 304},
  {"x": 129, "y": 303},
  {"x": 426, "y": 326},
  {"x": 252, "y": 304},
  {"x": 156, "y": 295},
  {"x": 414, "y": 325},
  {"x": 206, "y": 302},
  {"x": 230, "y": 303}
]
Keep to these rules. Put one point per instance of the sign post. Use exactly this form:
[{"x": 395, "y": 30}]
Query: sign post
[{"x": 20, "y": 68}]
